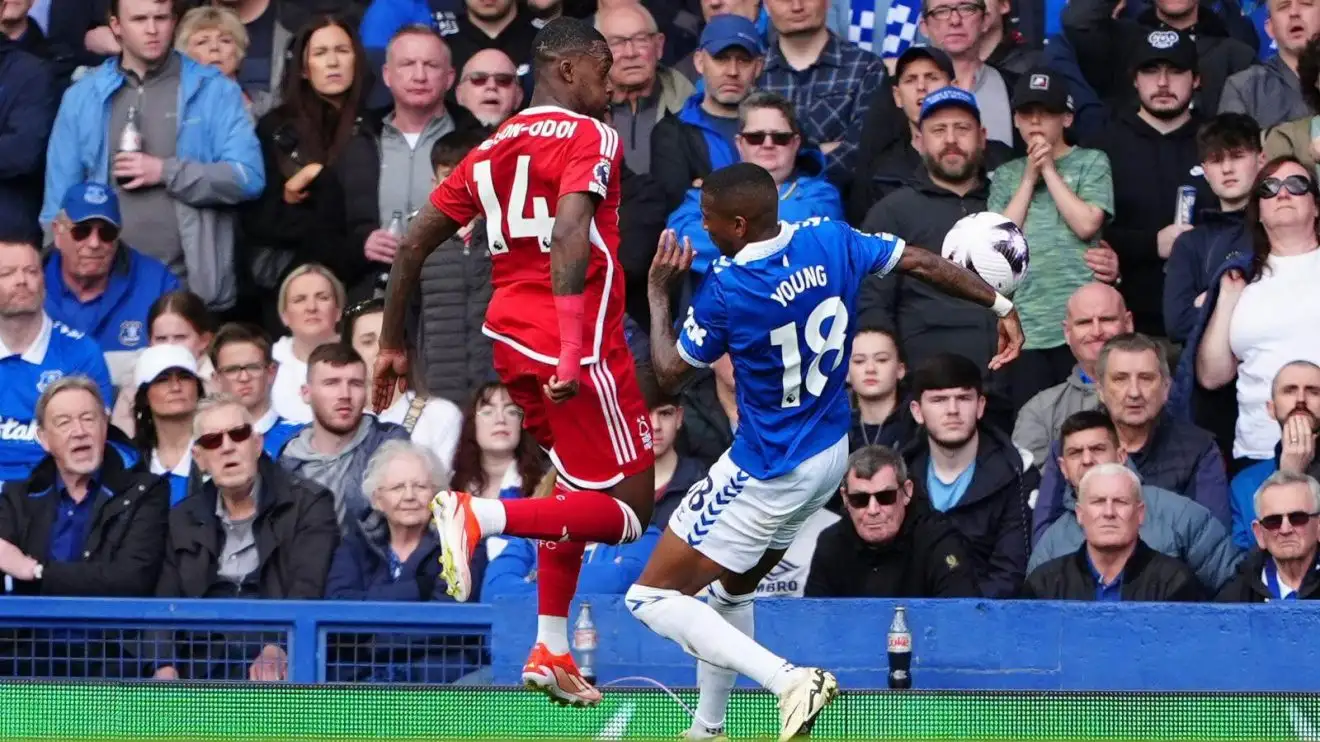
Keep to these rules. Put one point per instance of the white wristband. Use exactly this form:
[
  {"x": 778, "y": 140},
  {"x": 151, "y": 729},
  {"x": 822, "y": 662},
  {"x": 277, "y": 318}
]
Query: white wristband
[{"x": 1002, "y": 306}]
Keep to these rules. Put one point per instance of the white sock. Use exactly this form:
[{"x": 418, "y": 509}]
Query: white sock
[
  {"x": 704, "y": 634},
  {"x": 490, "y": 515},
  {"x": 716, "y": 683},
  {"x": 552, "y": 631}
]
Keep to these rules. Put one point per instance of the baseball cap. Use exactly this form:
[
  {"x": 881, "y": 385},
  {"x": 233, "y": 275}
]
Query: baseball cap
[
  {"x": 158, "y": 359},
  {"x": 1045, "y": 88},
  {"x": 914, "y": 53},
  {"x": 727, "y": 30},
  {"x": 1166, "y": 45},
  {"x": 91, "y": 201},
  {"x": 945, "y": 97}
]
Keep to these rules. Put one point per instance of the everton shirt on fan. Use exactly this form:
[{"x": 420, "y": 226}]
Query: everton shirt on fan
[
  {"x": 783, "y": 309},
  {"x": 58, "y": 351},
  {"x": 515, "y": 178}
]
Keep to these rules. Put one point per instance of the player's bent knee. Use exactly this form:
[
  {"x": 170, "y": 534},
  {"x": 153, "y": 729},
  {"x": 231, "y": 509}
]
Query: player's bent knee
[
  {"x": 644, "y": 602},
  {"x": 633, "y": 526}
]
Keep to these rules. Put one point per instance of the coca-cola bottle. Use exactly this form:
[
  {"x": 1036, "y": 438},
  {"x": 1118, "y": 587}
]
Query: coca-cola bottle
[
  {"x": 900, "y": 651},
  {"x": 130, "y": 139}
]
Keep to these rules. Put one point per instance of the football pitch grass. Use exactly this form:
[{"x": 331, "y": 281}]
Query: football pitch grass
[{"x": 182, "y": 712}]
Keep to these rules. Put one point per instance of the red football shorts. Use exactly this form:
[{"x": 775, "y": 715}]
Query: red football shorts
[{"x": 602, "y": 434}]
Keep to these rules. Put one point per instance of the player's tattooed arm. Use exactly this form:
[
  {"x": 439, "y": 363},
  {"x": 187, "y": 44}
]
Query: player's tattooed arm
[
  {"x": 946, "y": 276},
  {"x": 570, "y": 246},
  {"x": 426, "y": 232},
  {"x": 670, "y": 263}
]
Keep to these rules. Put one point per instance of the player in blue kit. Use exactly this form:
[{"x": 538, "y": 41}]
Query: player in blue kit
[{"x": 780, "y": 304}]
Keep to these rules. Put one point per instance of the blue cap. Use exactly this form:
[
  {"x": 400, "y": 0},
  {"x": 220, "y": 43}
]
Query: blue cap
[
  {"x": 945, "y": 97},
  {"x": 92, "y": 201},
  {"x": 726, "y": 30}
]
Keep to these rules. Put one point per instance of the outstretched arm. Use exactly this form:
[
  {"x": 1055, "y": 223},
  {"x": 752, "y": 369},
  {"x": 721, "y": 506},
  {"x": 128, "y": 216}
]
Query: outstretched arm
[
  {"x": 961, "y": 283},
  {"x": 670, "y": 263},
  {"x": 428, "y": 230}
]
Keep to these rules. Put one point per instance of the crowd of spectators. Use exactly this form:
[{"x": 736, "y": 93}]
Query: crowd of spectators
[{"x": 199, "y": 202}]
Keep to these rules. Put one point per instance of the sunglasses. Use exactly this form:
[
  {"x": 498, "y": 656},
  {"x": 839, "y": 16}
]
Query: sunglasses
[
  {"x": 1296, "y": 519},
  {"x": 1296, "y": 185},
  {"x": 757, "y": 138},
  {"x": 859, "y": 500},
  {"x": 502, "y": 79},
  {"x": 212, "y": 441},
  {"x": 83, "y": 230}
]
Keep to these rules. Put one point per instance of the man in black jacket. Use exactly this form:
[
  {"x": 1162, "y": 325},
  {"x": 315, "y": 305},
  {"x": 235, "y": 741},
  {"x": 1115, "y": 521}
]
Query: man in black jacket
[
  {"x": 972, "y": 472},
  {"x": 1114, "y": 564},
  {"x": 890, "y": 545},
  {"x": 255, "y": 531},
  {"x": 85, "y": 523},
  {"x": 1286, "y": 528},
  {"x": 1152, "y": 153}
]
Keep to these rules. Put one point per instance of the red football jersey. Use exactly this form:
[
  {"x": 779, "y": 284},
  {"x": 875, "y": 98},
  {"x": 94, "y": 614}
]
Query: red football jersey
[{"x": 515, "y": 179}]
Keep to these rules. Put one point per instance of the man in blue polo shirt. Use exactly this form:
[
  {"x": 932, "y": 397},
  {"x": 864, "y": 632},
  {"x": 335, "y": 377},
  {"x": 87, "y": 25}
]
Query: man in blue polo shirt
[
  {"x": 97, "y": 285},
  {"x": 35, "y": 352}
]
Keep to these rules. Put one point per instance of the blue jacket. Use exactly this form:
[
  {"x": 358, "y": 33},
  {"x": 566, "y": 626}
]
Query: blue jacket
[
  {"x": 1178, "y": 457},
  {"x": 807, "y": 194},
  {"x": 384, "y": 17},
  {"x": 117, "y": 319},
  {"x": 1196, "y": 258},
  {"x": 1244, "y": 487},
  {"x": 274, "y": 440},
  {"x": 722, "y": 151},
  {"x": 1186, "y": 394},
  {"x": 606, "y": 569},
  {"x": 27, "y": 109}
]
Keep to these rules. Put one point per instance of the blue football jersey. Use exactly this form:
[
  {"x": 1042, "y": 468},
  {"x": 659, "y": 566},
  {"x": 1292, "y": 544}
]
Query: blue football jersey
[
  {"x": 783, "y": 310},
  {"x": 58, "y": 351}
]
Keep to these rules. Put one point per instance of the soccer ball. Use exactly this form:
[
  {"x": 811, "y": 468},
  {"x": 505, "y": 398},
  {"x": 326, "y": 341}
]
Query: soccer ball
[{"x": 991, "y": 246}]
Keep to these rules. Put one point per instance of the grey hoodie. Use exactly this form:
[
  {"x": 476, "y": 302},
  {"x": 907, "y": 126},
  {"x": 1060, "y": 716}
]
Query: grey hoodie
[
  {"x": 1269, "y": 93},
  {"x": 1040, "y": 419},
  {"x": 342, "y": 472},
  {"x": 1175, "y": 526}
]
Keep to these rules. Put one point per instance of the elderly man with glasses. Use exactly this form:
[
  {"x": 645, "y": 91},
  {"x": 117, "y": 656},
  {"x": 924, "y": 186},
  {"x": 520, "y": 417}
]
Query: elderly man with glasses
[
  {"x": 98, "y": 285},
  {"x": 1286, "y": 530},
  {"x": 488, "y": 87}
]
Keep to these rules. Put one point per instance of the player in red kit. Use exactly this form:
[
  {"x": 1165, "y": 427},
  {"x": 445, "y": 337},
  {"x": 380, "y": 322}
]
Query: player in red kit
[{"x": 547, "y": 184}]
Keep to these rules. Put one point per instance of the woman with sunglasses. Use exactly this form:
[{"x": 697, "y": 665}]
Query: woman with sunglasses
[
  {"x": 432, "y": 422},
  {"x": 1261, "y": 313},
  {"x": 177, "y": 318},
  {"x": 769, "y": 135},
  {"x": 167, "y": 390}
]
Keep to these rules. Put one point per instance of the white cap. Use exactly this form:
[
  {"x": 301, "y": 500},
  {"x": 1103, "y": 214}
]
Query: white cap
[{"x": 158, "y": 359}]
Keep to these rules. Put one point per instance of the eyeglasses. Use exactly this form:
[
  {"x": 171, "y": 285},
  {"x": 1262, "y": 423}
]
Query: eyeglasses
[
  {"x": 212, "y": 441},
  {"x": 619, "y": 42},
  {"x": 757, "y": 138},
  {"x": 235, "y": 371},
  {"x": 1296, "y": 519},
  {"x": 502, "y": 79},
  {"x": 83, "y": 230},
  {"x": 1296, "y": 185},
  {"x": 962, "y": 9},
  {"x": 859, "y": 500}
]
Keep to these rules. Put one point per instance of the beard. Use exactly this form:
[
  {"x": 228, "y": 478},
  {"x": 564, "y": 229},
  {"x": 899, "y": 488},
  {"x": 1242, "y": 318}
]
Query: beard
[
  {"x": 1168, "y": 113},
  {"x": 967, "y": 170},
  {"x": 954, "y": 443},
  {"x": 325, "y": 422}
]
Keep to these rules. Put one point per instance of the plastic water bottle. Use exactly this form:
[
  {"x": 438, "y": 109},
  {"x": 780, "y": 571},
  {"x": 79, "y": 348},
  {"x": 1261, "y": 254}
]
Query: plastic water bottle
[
  {"x": 900, "y": 651},
  {"x": 585, "y": 643},
  {"x": 396, "y": 229},
  {"x": 130, "y": 139}
]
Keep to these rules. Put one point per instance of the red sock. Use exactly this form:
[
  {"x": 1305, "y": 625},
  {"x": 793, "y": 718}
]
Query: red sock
[
  {"x": 569, "y": 516},
  {"x": 557, "y": 566}
]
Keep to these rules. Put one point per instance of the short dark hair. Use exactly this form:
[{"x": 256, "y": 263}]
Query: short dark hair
[
  {"x": 870, "y": 460},
  {"x": 1227, "y": 132},
  {"x": 946, "y": 371},
  {"x": 564, "y": 37},
  {"x": 335, "y": 354},
  {"x": 233, "y": 333},
  {"x": 654, "y": 394},
  {"x": 765, "y": 99},
  {"x": 174, "y": 7},
  {"x": 351, "y": 315},
  {"x": 450, "y": 149},
  {"x": 742, "y": 189},
  {"x": 1087, "y": 420},
  {"x": 878, "y": 329}
]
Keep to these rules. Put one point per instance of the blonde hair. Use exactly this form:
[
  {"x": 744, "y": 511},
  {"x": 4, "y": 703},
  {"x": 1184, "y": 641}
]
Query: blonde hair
[
  {"x": 311, "y": 268},
  {"x": 211, "y": 18}
]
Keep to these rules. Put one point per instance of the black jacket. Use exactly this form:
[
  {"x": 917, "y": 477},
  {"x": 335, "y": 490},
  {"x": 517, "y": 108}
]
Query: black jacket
[
  {"x": 1247, "y": 586},
  {"x": 895, "y": 432},
  {"x": 1148, "y": 168},
  {"x": 925, "y": 559},
  {"x": 642, "y": 217},
  {"x": 1105, "y": 47},
  {"x": 679, "y": 155},
  {"x": 28, "y": 102},
  {"x": 993, "y": 516},
  {"x": 926, "y": 320},
  {"x": 455, "y": 292},
  {"x": 125, "y": 539},
  {"x": 296, "y": 534},
  {"x": 1195, "y": 260},
  {"x": 1147, "y": 576}
]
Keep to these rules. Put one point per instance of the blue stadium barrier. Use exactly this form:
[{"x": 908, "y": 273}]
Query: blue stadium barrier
[{"x": 324, "y": 641}]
